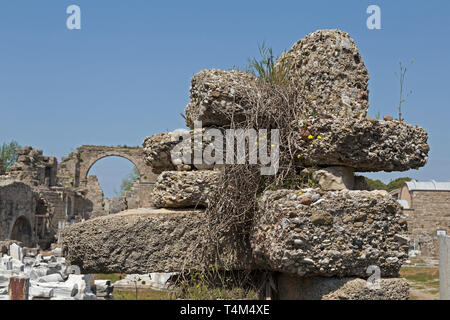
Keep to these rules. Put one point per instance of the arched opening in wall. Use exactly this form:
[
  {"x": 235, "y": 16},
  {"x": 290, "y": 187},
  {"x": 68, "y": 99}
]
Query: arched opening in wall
[
  {"x": 22, "y": 231},
  {"x": 116, "y": 176}
]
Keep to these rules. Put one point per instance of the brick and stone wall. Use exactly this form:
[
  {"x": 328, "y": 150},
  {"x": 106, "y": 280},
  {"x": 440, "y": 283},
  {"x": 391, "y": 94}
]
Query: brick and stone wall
[{"x": 430, "y": 212}]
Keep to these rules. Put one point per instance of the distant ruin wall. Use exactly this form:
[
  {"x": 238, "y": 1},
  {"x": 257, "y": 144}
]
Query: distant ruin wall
[
  {"x": 17, "y": 212},
  {"x": 431, "y": 213},
  {"x": 74, "y": 169}
]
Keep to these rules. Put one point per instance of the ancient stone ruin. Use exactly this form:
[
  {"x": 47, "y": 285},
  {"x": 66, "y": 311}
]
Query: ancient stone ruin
[
  {"x": 320, "y": 235},
  {"x": 321, "y": 241},
  {"x": 38, "y": 196}
]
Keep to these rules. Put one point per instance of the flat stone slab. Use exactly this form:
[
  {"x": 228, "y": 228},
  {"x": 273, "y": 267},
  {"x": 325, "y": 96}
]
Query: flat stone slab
[
  {"x": 181, "y": 189},
  {"x": 218, "y": 96},
  {"x": 294, "y": 288},
  {"x": 329, "y": 234},
  {"x": 136, "y": 241},
  {"x": 364, "y": 145}
]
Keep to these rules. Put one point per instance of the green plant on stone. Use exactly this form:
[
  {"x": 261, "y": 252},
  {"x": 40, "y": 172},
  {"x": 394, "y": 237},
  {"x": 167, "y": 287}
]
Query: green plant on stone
[
  {"x": 266, "y": 69},
  {"x": 402, "y": 78}
]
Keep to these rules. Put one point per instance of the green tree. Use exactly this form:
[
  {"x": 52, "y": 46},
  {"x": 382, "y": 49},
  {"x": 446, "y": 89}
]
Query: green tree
[
  {"x": 394, "y": 184},
  {"x": 8, "y": 155},
  {"x": 397, "y": 183},
  {"x": 128, "y": 181},
  {"x": 375, "y": 184}
]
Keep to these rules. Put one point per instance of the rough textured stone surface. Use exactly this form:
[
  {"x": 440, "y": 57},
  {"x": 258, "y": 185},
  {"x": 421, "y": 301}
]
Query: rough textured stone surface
[
  {"x": 137, "y": 241},
  {"x": 157, "y": 149},
  {"x": 332, "y": 178},
  {"x": 33, "y": 168},
  {"x": 17, "y": 212},
  {"x": 217, "y": 96},
  {"x": 329, "y": 73},
  {"x": 365, "y": 145},
  {"x": 95, "y": 195},
  {"x": 295, "y": 288},
  {"x": 178, "y": 189},
  {"x": 161, "y": 154},
  {"x": 340, "y": 233}
]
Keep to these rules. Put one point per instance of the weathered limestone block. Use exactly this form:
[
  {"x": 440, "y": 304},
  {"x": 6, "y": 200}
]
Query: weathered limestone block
[
  {"x": 218, "y": 96},
  {"x": 337, "y": 233},
  {"x": 294, "y": 288},
  {"x": 180, "y": 189},
  {"x": 162, "y": 154},
  {"x": 329, "y": 73},
  {"x": 157, "y": 149},
  {"x": 364, "y": 145},
  {"x": 332, "y": 178},
  {"x": 137, "y": 241}
]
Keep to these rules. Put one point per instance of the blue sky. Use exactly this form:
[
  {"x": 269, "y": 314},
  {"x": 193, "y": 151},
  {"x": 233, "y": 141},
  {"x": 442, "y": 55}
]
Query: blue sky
[{"x": 125, "y": 75}]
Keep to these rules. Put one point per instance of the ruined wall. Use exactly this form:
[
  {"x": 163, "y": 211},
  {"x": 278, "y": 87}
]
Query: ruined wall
[
  {"x": 95, "y": 195},
  {"x": 17, "y": 212},
  {"x": 33, "y": 168},
  {"x": 430, "y": 212},
  {"x": 74, "y": 169}
]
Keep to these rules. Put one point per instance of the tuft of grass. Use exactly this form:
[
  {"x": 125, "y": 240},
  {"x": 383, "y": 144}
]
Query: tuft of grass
[
  {"x": 143, "y": 294},
  {"x": 204, "y": 292},
  {"x": 265, "y": 68},
  {"x": 113, "y": 277},
  {"x": 420, "y": 274}
]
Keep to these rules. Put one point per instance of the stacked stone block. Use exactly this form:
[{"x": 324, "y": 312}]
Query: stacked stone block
[{"x": 328, "y": 239}]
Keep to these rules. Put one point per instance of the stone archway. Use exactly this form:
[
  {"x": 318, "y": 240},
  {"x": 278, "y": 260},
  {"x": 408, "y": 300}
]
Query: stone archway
[
  {"x": 87, "y": 156},
  {"x": 22, "y": 231},
  {"x": 86, "y": 167},
  {"x": 73, "y": 170}
]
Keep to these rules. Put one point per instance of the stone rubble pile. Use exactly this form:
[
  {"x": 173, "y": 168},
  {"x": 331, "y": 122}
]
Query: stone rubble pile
[
  {"x": 47, "y": 278},
  {"x": 327, "y": 235}
]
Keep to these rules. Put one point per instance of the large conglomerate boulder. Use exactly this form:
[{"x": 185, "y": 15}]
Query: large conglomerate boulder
[
  {"x": 218, "y": 96},
  {"x": 134, "y": 242},
  {"x": 329, "y": 74},
  {"x": 364, "y": 145},
  {"x": 329, "y": 234}
]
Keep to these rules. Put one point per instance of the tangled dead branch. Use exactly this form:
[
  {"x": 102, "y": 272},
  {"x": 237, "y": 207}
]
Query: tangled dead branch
[{"x": 228, "y": 219}]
